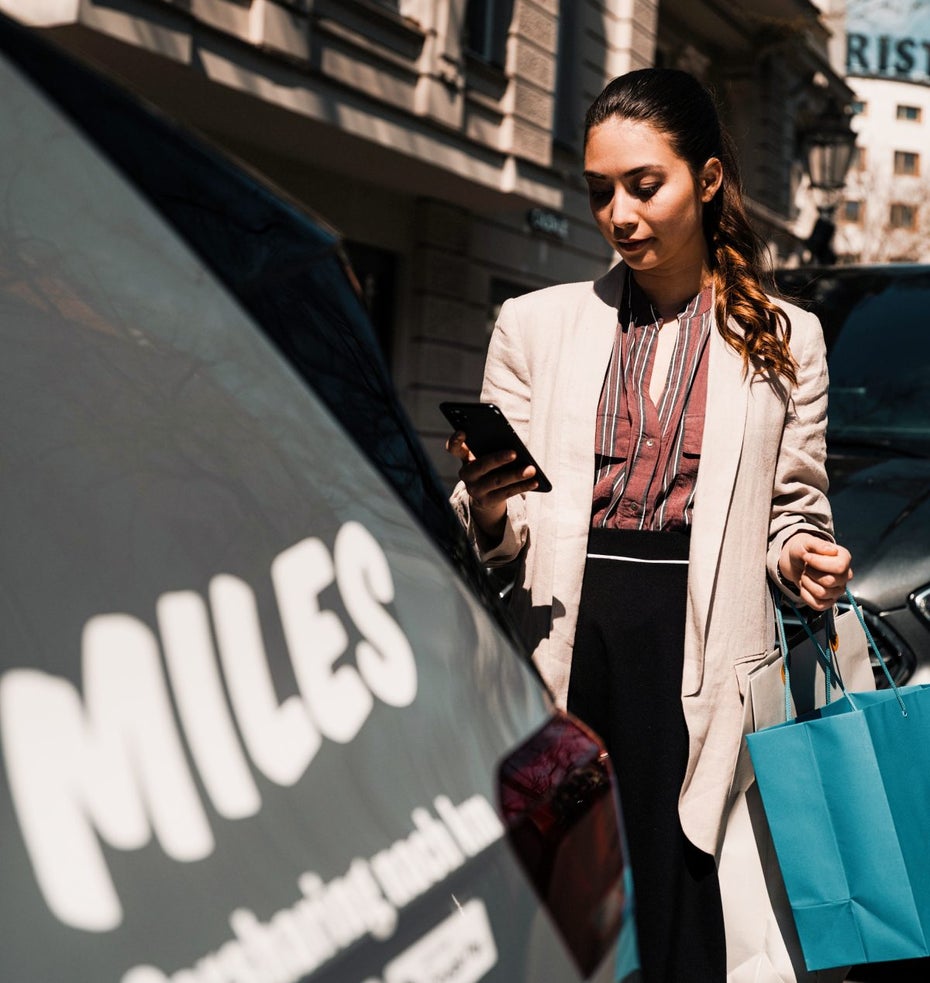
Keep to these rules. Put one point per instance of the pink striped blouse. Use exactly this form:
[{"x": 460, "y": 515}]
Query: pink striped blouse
[{"x": 647, "y": 455}]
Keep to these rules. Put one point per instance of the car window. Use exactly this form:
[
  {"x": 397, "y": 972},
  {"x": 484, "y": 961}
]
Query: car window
[
  {"x": 880, "y": 361},
  {"x": 234, "y": 670},
  {"x": 874, "y": 325}
]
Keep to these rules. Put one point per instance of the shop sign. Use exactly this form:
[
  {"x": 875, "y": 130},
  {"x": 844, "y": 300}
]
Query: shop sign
[{"x": 888, "y": 38}]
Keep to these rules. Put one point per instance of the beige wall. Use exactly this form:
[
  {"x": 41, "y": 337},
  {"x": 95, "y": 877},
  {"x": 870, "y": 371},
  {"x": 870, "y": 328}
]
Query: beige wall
[{"x": 872, "y": 238}]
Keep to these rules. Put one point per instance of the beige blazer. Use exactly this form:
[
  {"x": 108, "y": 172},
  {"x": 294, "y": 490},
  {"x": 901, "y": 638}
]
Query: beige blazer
[{"x": 761, "y": 478}]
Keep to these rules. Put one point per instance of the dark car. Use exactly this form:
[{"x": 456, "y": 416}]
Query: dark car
[
  {"x": 261, "y": 717},
  {"x": 878, "y": 441}
]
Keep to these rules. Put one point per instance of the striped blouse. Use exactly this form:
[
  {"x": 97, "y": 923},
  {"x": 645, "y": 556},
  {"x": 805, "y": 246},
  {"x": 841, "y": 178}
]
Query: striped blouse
[{"x": 647, "y": 455}]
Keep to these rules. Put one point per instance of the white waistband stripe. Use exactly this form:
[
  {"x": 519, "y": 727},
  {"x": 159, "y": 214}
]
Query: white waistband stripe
[{"x": 631, "y": 559}]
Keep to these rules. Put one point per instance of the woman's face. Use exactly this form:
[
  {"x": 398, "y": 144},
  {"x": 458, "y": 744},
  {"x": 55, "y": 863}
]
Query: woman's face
[{"x": 644, "y": 197}]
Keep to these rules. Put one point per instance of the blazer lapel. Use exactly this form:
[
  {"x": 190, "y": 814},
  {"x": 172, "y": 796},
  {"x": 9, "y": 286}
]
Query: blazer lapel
[
  {"x": 595, "y": 332},
  {"x": 583, "y": 358},
  {"x": 724, "y": 428},
  {"x": 590, "y": 343}
]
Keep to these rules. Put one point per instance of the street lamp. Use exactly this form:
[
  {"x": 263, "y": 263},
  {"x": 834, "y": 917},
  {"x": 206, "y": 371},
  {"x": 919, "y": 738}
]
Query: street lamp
[{"x": 827, "y": 144}]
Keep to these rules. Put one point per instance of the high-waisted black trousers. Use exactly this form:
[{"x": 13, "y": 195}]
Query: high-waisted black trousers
[{"x": 626, "y": 685}]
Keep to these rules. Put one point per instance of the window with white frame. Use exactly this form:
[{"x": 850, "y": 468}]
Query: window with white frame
[
  {"x": 852, "y": 212},
  {"x": 911, "y": 113},
  {"x": 906, "y": 163},
  {"x": 903, "y": 216}
]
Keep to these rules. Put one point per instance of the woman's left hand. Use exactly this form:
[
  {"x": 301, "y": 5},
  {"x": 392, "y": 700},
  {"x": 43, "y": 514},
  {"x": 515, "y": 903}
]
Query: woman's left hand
[{"x": 819, "y": 568}]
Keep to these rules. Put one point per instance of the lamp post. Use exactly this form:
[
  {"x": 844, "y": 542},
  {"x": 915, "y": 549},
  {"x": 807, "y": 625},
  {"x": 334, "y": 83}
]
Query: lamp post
[{"x": 827, "y": 145}]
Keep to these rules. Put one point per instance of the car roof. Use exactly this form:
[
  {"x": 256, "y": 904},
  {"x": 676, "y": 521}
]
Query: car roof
[{"x": 855, "y": 269}]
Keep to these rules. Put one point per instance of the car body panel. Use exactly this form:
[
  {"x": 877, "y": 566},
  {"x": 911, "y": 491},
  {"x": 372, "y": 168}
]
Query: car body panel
[
  {"x": 883, "y": 514},
  {"x": 253, "y": 700}
]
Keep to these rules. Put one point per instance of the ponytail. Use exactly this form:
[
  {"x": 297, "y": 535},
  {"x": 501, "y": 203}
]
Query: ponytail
[{"x": 738, "y": 259}]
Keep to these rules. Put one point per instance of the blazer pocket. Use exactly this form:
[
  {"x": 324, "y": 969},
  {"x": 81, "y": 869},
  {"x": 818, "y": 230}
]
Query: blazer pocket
[{"x": 744, "y": 666}]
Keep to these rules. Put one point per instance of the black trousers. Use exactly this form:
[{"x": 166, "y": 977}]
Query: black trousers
[{"x": 626, "y": 685}]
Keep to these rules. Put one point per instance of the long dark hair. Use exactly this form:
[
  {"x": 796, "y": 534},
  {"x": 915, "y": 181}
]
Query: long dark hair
[{"x": 678, "y": 105}]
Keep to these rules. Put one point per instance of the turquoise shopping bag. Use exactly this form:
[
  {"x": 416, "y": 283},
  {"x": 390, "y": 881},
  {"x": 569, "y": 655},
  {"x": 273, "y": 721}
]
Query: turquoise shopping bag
[{"x": 846, "y": 791}]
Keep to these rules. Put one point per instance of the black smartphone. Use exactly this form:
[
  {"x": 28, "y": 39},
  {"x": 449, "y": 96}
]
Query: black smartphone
[{"x": 487, "y": 431}]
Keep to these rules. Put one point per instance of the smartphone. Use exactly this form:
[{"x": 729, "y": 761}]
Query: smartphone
[{"x": 487, "y": 430}]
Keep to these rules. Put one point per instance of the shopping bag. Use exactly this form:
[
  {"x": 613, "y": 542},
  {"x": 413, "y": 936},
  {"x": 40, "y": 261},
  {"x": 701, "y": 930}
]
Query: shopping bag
[
  {"x": 817, "y": 666},
  {"x": 762, "y": 941},
  {"x": 846, "y": 791},
  {"x": 815, "y": 678}
]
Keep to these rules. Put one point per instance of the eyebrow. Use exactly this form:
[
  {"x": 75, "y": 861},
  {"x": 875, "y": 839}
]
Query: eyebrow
[{"x": 633, "y": 172}]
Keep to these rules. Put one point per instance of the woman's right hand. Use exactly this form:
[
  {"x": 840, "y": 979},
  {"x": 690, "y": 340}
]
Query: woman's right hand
[{"x": 489, "y": 483}]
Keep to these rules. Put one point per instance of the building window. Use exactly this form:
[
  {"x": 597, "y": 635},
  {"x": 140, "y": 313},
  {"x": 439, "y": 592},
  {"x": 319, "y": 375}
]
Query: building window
[
  {"x": 859, "y": 160},
  {"x": 487, "y": 24},
  {"x": 568, "y": 81},
  {"x": 912, "y": 113},
  {"x": 852, "y": 212},
  {"x": 859, "y": 108},
  {"x": 903, "y": 216},
  {"x": 906, "y": 163}
]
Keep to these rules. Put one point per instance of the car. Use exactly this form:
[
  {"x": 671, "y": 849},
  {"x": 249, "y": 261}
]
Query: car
[
  {"x": 261, "y": 715},
  {"x": 878, "y": 461},
  {"x": 878, "y": 443}
]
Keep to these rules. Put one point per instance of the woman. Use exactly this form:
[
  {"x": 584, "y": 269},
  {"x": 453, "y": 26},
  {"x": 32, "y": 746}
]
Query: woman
[{"x": 680, "y": 414}]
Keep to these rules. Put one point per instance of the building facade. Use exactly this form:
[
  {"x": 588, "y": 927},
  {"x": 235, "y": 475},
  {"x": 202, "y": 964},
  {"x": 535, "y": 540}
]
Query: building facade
[
  {"x": 885, "y": 213},
  {"x": 442, "y": 138}
]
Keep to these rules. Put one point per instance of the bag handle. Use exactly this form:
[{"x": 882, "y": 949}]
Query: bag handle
[
  {"x": 825, "y": 657},
  {"x": 783, "y": 645},
  {"x": 897, "y": 692},
  {"x": 826, "y": 660}
]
